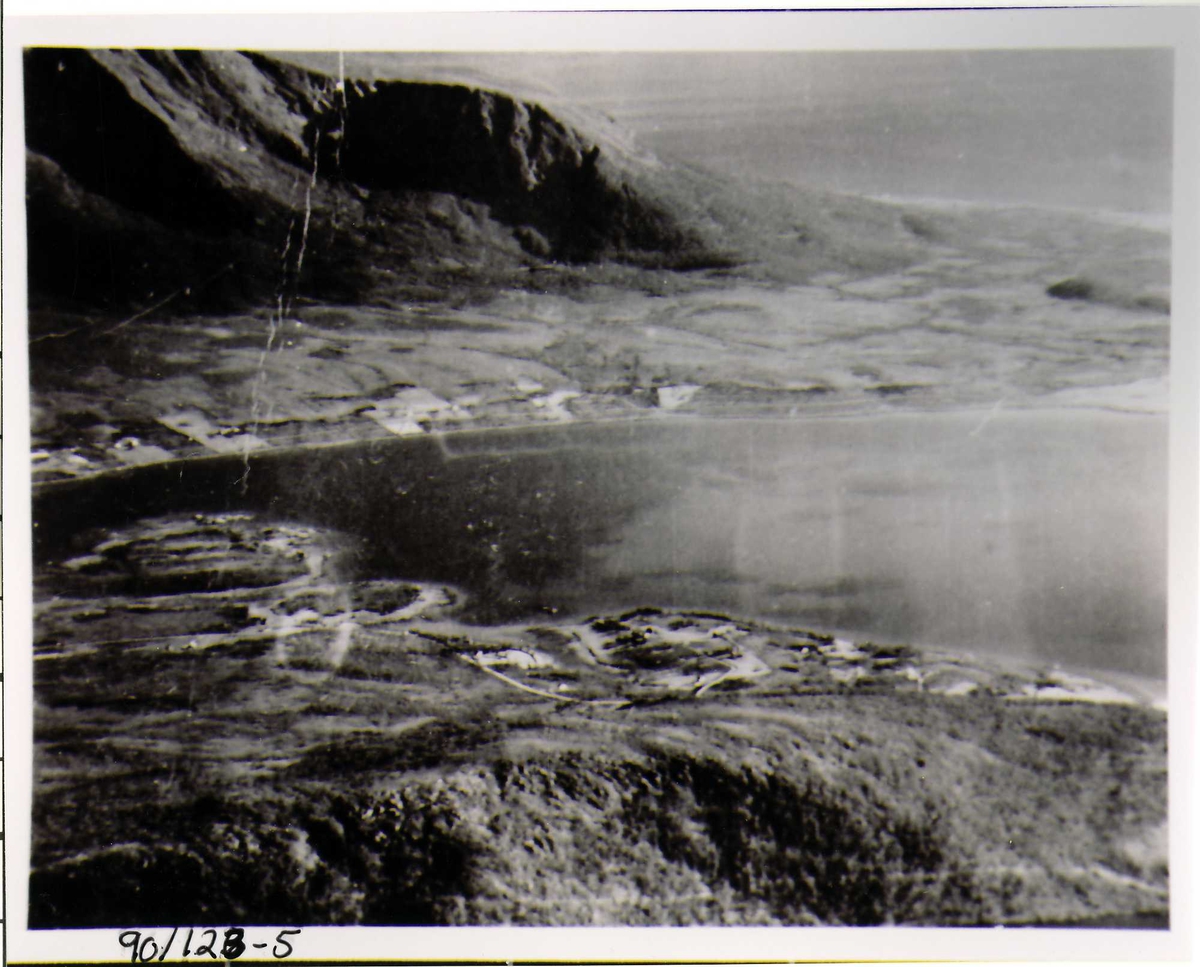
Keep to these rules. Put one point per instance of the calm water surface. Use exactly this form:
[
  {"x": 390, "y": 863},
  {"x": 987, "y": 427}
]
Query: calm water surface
[{"x": 1029, "y": 535}]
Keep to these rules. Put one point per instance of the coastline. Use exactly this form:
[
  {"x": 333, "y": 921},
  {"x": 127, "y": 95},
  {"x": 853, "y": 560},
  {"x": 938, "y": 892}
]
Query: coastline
[
  {"x": 407, "y": 726},
  {"x": 62, "y": 508}
]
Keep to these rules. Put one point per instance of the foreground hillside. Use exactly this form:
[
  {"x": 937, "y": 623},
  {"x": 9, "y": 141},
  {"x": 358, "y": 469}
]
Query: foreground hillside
[{"x": 228, "y": 729}]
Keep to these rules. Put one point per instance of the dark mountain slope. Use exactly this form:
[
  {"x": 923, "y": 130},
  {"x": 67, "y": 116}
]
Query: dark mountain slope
[
  {"x": 151, "y": 170},
  {"x": 80, "y": 114},
  {"x": 528, "y": 168}
]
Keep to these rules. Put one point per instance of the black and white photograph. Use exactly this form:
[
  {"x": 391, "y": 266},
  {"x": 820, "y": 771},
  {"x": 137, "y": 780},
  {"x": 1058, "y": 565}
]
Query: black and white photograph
[{"x": 594, "y": 487}]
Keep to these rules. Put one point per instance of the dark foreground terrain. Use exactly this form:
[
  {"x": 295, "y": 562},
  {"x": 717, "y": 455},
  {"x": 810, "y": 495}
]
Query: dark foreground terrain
[{"x": 228, "y": 729}]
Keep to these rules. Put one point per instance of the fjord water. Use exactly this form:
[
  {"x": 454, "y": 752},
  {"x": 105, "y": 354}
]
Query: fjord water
[
  {"x": 1036, "y": 535},
  {"x": 1031, "y": 535}
]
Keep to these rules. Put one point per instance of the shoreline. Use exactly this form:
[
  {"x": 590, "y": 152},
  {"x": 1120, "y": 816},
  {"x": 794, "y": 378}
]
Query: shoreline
[
  {"x": 62, "y": 507},
  {"x": 445, "y": 436},
  {"x": 442, "y": 612}
]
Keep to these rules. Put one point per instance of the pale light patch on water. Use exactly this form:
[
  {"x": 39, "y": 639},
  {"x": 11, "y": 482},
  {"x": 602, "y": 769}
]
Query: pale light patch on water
[
  {"x": 586, "y": 645},
  {"x": 84, "y": 561},
  {"x": 847, "y": 676},
  {"x": 307, "y": 859},
  {"x": 283, "y": 627},
  {"x": 1151, "y": 849}
]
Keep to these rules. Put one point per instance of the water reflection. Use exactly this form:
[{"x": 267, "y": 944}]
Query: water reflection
[
  {"x": 1043, "y": 535},
  {"x": 1035, "y": 534}
]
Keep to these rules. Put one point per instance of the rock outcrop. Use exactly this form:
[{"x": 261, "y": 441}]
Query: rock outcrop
[{"x": 217, "y": 178}]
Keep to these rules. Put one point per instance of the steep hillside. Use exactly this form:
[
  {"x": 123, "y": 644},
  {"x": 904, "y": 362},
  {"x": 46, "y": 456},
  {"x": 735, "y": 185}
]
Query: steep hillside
[{"x": 238, "y": 177}]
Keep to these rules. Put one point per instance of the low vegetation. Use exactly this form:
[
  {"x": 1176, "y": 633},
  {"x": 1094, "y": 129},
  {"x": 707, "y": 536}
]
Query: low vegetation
[{"x": 331, "y": 751}]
